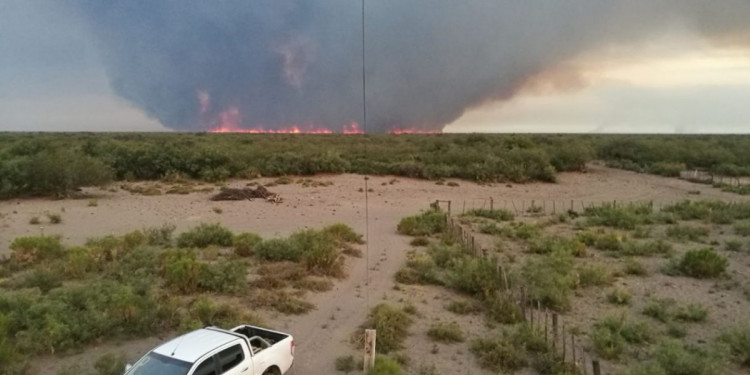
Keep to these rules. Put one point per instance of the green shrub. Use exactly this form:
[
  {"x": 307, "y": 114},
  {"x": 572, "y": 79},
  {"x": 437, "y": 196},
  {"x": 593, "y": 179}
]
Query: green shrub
[
  {"x": 44, "y": 278},
  {"x": 498, "y": 354},
  {"x": 78, "y": 262},
  {"x": 710, "y": 211},
  {"x": 548, "y": 245},
  {"x": 612, "y": 334},
  {"x": 550, "y": 280},
  {"x": 692, "y": 313},
  {"x": 343, "y": 233},
  {"x": 35, "y": 249},
  {"x": 660, "y": 309},
  {"x": 676, "y": 359},
  {"x": 742, "y": 229},
  {"x": 34, "y": 220},
  {"x": 244, "y": 243},
  {"x": 610, "y": 242},
  {"x": 703, "y": 263},
  {"x": 224, "y": 277},
  {"x": 446, "y": 332},
  {"x": 205, "y": 235},
  {"x": 687, "y": 232},
  {"x": 503, "y": 310},
  {"x": 594, "y": 275},
  {"x": 419, "y": 269},
  {"x": 392, "y": 325},
  {"x": 525, "y": 231},
  {"x": 424, "y": 224},
  {"x": 634, "y": 267},
  {"x": 620, "y": 296},
  {"x": 733, "y": 245},
  {"x": 649, "y": 248},
  {"x": 160, "y": 236},
  {"x": 278, "y": 249},
  {"x": 54, "y": 218},
  {"x": 110, "y": 364},
  {"x": 419, "y": 241},
  {"x": 621, "y": 217},
  {"x": 386, "y": 366},
  {"x": 345, "y": 364},
  {"x": 443, "y": 254},
  {"x": 464, "y": 307},
  {"x": 203, "y": 311},
  {"x": 476, "y": 276},
  {"x": 738, "y": 342},
  {"x": 498, "y": 215}
]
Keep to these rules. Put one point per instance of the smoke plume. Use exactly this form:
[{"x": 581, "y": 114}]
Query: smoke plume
[{"x": 199, "y": 65}]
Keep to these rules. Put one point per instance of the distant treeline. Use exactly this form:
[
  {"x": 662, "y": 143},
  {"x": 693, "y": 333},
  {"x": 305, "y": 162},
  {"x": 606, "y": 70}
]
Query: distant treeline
[{"x": 57, "y": 163}]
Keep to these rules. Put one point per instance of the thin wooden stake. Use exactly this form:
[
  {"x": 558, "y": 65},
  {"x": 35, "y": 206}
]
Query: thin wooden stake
[
  {"x": 369, "y": 359},
  {"x": 595, "y": 367},
  {"x": 564, "y": 342},
  {"x": 573, "y": 348},
  {"x": 554, "y": 330}
]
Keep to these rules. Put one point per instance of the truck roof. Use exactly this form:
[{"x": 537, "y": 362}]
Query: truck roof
[{"x": 193, "y": 345}]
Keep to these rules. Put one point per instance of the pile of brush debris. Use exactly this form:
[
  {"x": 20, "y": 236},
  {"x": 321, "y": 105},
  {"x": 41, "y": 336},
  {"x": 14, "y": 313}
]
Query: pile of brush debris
[{"x": 231, "y": 194}]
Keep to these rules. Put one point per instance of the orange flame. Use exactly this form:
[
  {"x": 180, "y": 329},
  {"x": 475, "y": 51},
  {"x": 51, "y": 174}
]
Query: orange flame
[{"x": 413, "y": 131}]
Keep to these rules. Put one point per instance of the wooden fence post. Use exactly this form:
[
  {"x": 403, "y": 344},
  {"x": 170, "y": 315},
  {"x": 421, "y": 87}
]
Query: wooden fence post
[
  {"x": 492, "y": 204},
  {"x": 554, "y": 331},
  {"x": 369, "y": 350},
  {"x": 449, "y": 208},
  {"x": 573, "y": 348},
  {"x": 564, "y": 342},
  {"x": 595, "y": 367}
]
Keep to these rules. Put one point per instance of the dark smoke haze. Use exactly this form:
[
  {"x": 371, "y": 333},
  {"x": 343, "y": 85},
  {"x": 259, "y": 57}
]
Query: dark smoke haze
[{"x": 273, "y": 63}]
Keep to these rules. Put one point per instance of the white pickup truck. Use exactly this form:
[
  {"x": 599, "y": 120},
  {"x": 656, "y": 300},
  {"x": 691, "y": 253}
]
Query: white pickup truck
[{"x": 245, "y": 350}]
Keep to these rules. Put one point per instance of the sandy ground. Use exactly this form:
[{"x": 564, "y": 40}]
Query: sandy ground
[{"x": 323, "y": 334}]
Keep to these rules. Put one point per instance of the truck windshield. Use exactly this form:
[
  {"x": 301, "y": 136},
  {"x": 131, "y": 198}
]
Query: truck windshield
[{"x": 157, "y": 364}]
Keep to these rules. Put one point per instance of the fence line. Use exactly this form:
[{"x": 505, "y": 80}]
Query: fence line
[
  {"x": 544, "y": 321},
  {"x": 543, "y": 207}
]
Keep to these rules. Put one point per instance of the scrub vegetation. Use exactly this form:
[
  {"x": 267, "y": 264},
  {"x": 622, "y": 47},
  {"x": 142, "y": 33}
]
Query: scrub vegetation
[
  {"x": 57, "y": 299},
  {"x": 58, "y": 164}
]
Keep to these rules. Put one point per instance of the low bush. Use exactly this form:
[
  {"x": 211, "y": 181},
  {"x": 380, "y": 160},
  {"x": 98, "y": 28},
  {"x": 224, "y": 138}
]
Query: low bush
[
  {"x": 742, "y": 229},
  {"x": 446, "y": 332},
  {"x": 634, "y": 267},
  {"x": 718, "y": 212},
  {"x": 34, "y": 249},
  {"x": 594, "y": 275},
  {"x": 503, "y": 310},
  {"x": 424, "y": 224},
  {"x": 159, "y": 236},
  {"x": 497, "y": 215},
  {"x": 54, "y": 218},
  {"x": 475, "y": 276},
  {"x": 464, "y": 307},
  {"x": 733, "y": 245},
  {"x": 548, "y": 245},
  {"x": 278, "y": 249},
  {"x": 498, "y": 354},
  {"x": 737, "y": 341},
  {"x": 343, "y": 233},
  {"x": 687, "y": 232},
  {"x": 44, "y": 278},
  {"x": 674, "y": 358},
  {"x": 612, "y": 334},
  {"x": 419, "y": 269},
  {"x": 660, "y": 309},
  {"x": 550, "y": 280},
  {"x": 419, "y": 241},
  {"x": 610, "y": 242},
  {"x": 621, "y": 217},
  {"x": 620, "y": 296},
  {"x": 244, "y": 243},
  {"x": 205, "y": 235},
  {"x": 703, "y": 264},
  {"x": 648, "y": 248},
  {"x": 443, "y": 254},
  {"x": 183, "y": 273},
  {"x": 110, "y": 364},
  {"x": 692, "y": 313},
  {"x": 392, "y": 324},
  {"x": 281, "y": 301},
  {"x": 386, "y": 366},
  {"x": 345, "y": 364}
]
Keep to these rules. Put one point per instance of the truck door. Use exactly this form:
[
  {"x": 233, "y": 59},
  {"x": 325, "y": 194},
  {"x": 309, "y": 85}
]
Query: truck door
[{"x": 235, "y": 360}]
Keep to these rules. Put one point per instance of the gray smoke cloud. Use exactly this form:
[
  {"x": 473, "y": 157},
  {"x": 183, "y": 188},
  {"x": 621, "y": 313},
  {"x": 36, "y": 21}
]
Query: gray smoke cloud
[{"x": 195, "y": 65}]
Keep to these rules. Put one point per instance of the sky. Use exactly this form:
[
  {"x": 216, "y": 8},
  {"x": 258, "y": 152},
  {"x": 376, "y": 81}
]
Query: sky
[{"x": 59, "y": 72}]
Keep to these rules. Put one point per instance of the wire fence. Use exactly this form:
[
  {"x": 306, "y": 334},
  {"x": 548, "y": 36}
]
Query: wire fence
[
  {"x": 549, "y": 324},
  {"x": 543, "y": 207}
]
